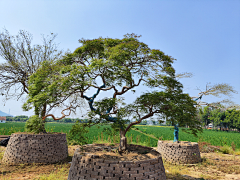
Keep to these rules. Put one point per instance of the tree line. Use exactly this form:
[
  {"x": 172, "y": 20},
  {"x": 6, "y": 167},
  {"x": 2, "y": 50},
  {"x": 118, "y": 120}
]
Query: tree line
[
  {"x": 26, "y": 118},
  {"x": 221, "y": 119}
]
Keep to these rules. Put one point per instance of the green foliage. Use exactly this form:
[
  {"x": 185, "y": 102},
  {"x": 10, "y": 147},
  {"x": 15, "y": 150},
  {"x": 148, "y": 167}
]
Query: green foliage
[
  {"x": 111, "y": 131},
  {"x": 216, "y": 116},
  {"x": 205, "y": 114},
  {"x": 220, "y": 118},
  {"x": 233, "y": 118},
  {"x": 176, "y": 107},
  {"x": 226, "y": 150},
  {"x": 76, "y": 135},
  {"x": 119, "y": 66},
  {"x": 38, "y": 82},
  {"x": 35, "y": 125},
  {"x": 17, "y": 118},
  {"x": 64, "y": 120}
]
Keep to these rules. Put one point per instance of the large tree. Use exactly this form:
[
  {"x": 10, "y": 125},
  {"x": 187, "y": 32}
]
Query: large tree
[
  {"x": 117, "y": 66},
  {"x": 22, "y": 59}
]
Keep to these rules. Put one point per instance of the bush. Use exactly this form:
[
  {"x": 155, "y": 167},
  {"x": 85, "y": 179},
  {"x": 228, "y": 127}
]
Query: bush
[
  {"x": 226, "y": 150},
  {"x": 35, "y": 125},
  {"x": 76, "y": 134}
]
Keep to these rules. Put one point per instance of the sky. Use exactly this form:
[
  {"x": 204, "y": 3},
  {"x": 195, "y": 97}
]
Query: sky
[{"x": 203, "y": 36}]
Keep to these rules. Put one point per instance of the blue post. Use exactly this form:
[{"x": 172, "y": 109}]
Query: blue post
[{"x": 176, "y": 130}]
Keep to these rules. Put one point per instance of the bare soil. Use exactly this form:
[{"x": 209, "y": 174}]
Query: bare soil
[
  {"x": 213, "y": 166},
  {"x": 133, "y": 153}
]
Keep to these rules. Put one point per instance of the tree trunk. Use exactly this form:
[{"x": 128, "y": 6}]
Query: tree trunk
[
  {"x": 123, "y": 142},
  {"x": 43, "y": 113}
]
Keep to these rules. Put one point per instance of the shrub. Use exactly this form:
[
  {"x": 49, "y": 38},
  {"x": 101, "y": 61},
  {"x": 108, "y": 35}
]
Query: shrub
[
  {"x": 35, "y": 125},
  {"x": 226, "y": 150},
  {"x": 76, "y": 135}
]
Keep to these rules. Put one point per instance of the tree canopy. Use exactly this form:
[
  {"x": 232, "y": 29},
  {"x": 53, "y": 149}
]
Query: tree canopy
[{"x": 116, "y": 66}]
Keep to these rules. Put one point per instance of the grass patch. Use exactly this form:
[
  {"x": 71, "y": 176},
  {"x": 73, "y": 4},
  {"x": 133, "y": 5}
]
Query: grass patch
[
  {"x": 175, "y": 171},
  {"x": 59, "y": 174},
  {"x": 1, "y": 153},
  {"x": 226, "y": 150}
]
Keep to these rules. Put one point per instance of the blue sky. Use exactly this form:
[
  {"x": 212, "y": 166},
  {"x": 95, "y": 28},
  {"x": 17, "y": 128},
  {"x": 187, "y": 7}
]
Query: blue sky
[{"x": 204, "y": 36}]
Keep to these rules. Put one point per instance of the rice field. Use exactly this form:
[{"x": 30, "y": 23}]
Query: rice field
[{"x": 147, "y": 136}]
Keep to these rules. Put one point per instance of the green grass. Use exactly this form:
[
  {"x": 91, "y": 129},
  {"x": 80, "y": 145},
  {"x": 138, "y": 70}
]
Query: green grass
[
  {"x": 216, "y": 138},
  {"x": 11, "y": 127},
  {"x": 59, "y": 174}
]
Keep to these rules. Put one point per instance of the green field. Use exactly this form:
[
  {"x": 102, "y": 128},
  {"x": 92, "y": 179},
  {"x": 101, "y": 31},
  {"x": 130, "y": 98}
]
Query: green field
[
  {"x": 216, "y": 138},
  {"x": 93, "y": 135}
]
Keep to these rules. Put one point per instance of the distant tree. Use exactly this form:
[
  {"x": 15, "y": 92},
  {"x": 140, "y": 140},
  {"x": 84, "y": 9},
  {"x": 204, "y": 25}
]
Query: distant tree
[
  {"x": 216, "y": 117},
  {"x": 9, "y": 118},
  {"x": 143, "y": 122},
  {"x": 233, "y": 119},
  {"x": 205, "y": 115},
  {"x": 221, "y": 116},
  {"x": 154, "y": 122}
]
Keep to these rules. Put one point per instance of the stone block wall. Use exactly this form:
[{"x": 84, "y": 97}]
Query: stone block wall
[
  {"x": 37, "y": 148},
  {"x": 92, "y": 167},
  {"x": 179, "y": 153}
]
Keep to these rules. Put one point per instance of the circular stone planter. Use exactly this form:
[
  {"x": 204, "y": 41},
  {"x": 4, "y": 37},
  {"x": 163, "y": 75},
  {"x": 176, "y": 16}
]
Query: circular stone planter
[
  {"x": 90, "y": 166},
  {"x": 182, "y": 152},
  {"x": 35, "y": 148}
]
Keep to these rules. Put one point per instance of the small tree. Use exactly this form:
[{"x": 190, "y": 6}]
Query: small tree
[
  {"x": 47, "y": 90},
  {"x": 118, "y": 66}
]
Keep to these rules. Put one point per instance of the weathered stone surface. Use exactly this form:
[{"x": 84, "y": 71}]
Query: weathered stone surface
[
  {"x": 97, "y": 168},
  {"x": 179, "y": 153},
  {"x": 35, "y": 148}
]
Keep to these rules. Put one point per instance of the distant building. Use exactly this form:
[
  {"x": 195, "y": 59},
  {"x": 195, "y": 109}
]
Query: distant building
[{"x": 2, "y": 119}]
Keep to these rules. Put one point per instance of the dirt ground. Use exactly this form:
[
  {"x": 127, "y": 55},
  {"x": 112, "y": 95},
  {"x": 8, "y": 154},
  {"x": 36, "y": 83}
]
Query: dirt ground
[
  {"x": 214, "y": 165},
  {"x": 133, "y": 153}
]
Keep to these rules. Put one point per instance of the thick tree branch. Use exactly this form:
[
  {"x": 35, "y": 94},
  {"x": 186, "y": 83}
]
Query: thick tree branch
[
  {"x": 150, "y": 114},
  {"x": 63, "y": 115}
]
